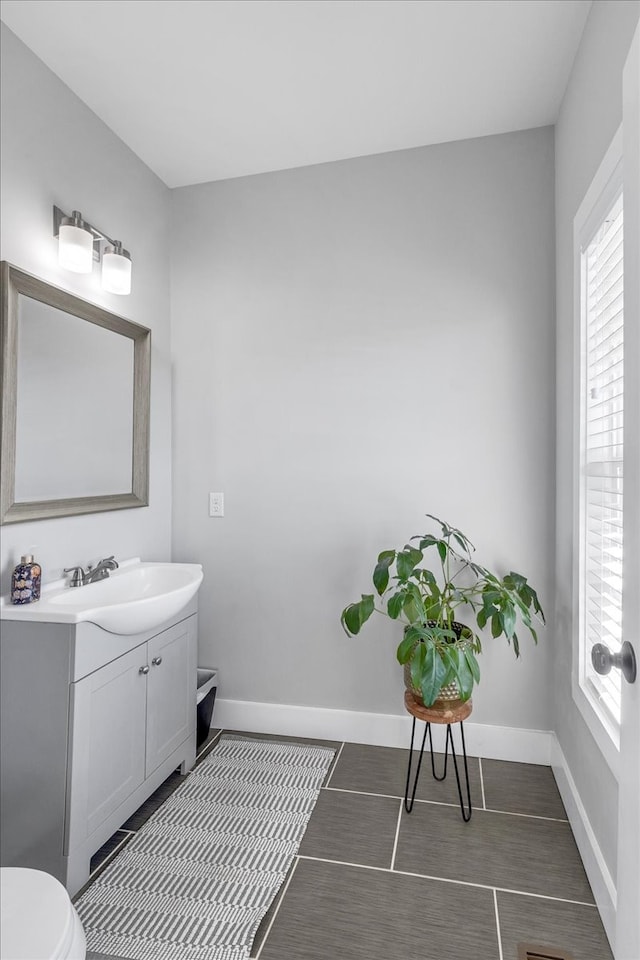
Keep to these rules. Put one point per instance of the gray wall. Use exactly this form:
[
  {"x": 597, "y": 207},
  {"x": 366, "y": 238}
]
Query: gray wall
[
  {"x": 590, "y": 115},
  {"x": 55, "y": 150},
  {"x": 356, "y": 344}
]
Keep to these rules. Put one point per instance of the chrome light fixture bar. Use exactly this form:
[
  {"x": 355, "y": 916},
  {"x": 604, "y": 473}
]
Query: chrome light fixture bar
[{"x": 80, "y": 243}]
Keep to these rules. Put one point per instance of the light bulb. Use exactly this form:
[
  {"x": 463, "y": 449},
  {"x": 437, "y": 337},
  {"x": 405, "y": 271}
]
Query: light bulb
[
  {"x": 116, "y": 270},
  {"x": 75, "y": 245}
]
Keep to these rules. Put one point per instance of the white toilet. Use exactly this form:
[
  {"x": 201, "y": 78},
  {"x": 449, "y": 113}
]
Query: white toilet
[{"x": 38, "y": 920}]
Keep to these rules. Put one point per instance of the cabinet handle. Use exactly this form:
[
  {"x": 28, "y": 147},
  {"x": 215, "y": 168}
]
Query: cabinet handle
[
  {"x": 144, "y": 669},
  {"x": 156, "y": 661}
]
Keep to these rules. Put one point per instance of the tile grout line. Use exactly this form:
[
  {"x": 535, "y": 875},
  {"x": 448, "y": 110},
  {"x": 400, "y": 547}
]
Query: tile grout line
[
  {"x": 527, "y": 816},
  {"x": 277, "y": 909},
  {"x": 389, "y": 796},
  {"x": 208, "y": 746},
  {"x": 443, "y": 803},
  {"x": 107, "y": 860},
  {"x": 335, "y": 764},
  {"x": 395, "y": 842},
  {"x": 484, "y": 802},
  {"x": 365, "y": 793},
  {"x": 495, "y": 904},
  {"x": 462, "y": 883}
]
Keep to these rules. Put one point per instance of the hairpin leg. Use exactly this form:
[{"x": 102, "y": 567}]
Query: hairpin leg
[
  {"x": 466, "y": 813},
  {"x": 446, "y": 754},
  {"x": 408, "y": 804},
  {"x": 467, "y": 809}
]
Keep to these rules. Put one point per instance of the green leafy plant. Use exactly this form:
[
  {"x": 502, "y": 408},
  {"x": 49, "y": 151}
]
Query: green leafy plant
[{"x": 438, "y": 648}]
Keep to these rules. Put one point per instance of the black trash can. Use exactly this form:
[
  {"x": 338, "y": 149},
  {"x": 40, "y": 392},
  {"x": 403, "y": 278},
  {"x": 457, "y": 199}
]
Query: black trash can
[{"x": 205, "y": 698}]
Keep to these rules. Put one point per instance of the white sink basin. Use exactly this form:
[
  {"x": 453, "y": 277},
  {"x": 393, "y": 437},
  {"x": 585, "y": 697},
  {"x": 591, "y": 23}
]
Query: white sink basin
[{"x": 135, "y": 598}]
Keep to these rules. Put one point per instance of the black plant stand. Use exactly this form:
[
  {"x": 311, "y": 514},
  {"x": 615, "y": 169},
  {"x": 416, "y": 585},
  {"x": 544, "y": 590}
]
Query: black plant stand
[{"x": 448, "y": 712}]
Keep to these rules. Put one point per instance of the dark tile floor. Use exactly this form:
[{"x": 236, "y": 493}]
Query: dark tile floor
[{"x": 371, "y": 882}]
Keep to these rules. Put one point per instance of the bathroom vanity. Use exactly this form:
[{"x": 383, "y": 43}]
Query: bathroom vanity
[{"x": 92, "y": 723}]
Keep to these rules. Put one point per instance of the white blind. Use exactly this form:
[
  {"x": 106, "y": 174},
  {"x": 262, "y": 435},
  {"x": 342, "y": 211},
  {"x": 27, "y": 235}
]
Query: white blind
[{"x": 602, "y": 451}]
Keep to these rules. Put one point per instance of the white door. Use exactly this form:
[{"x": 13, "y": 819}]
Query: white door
[
  {"x": 627, "y": 946},
  {"x": 108, "y": 749},
  {"x": 171, "y": 692}
]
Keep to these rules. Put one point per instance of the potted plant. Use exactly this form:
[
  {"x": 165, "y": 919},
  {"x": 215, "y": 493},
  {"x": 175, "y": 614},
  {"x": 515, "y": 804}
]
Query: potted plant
[{"x": 439, "y": 651}]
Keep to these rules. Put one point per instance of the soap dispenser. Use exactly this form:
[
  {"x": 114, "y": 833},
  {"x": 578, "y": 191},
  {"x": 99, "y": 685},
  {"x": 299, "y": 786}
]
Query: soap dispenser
[{"x": 25, "y": 583}]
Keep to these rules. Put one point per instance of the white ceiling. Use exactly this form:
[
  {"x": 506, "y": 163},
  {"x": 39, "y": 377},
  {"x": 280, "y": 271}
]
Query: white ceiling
[{"x": 209, "y": 89}]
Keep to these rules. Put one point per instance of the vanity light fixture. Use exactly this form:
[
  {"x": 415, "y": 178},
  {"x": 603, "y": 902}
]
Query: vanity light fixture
[
  {"x": 80, "y": 243},
  {"x": 116, "y": 269},
  {"x": 75, "y": 245}
]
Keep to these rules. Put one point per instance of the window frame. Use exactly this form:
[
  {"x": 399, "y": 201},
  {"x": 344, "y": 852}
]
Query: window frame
[{"x": 605, "y": 187}]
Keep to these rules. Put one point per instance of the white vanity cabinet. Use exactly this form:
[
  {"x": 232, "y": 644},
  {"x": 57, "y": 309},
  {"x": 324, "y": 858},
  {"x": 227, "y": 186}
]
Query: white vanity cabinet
[
  {"x": 109, "y": 720},
  {"x": 92, "y": 723}
]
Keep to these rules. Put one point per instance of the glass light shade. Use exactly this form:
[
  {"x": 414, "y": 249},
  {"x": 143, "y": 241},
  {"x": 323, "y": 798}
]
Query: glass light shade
[
  {"x": 75, "y": 249},
  {"x": 116, "y": 271}
]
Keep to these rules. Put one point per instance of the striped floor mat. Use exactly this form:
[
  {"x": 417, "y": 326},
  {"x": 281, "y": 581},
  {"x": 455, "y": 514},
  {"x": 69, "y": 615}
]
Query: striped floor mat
[{"x": 199, "y": 876}]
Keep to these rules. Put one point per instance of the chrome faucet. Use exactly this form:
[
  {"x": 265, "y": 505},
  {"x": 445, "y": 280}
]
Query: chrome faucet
[{"x": 102, "y": 569}]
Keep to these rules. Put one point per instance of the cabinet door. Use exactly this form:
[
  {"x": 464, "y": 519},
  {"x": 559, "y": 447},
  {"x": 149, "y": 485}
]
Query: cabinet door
[
  {"x": 171, "y": 691},
  {"x": 108, "y": 746}
]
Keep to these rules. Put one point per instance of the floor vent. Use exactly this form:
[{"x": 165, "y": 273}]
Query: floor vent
[{"x": 527, "y": 951}]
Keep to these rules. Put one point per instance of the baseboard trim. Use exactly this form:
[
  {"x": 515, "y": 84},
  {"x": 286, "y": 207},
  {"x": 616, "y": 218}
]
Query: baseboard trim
[
  {"x": 378, "y": 729},
  {"x": 602, "y": 884}
]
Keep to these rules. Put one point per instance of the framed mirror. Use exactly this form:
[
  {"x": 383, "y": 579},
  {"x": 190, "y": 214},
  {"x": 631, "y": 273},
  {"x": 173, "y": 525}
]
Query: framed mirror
[{"x": 75, "y": 404}]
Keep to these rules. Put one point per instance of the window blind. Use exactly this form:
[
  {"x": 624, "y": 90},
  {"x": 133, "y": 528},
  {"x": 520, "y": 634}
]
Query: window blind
[{"x": 602, "y": 451}]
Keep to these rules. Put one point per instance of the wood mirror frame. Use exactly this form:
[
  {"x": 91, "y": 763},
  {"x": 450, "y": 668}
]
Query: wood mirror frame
[{"x": 13, "y": 284}]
